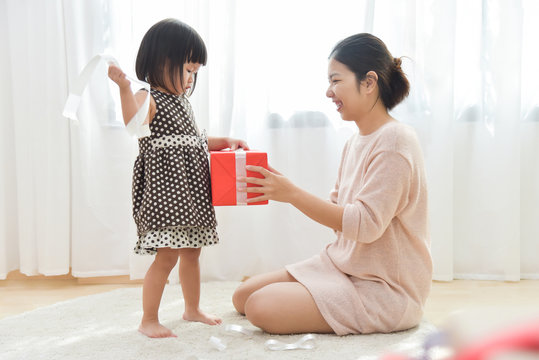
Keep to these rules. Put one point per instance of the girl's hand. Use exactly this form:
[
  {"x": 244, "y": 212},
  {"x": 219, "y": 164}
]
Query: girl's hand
[
  {"x": 274, "y": 186},
  {"x": 131, "y": 103},
  {"x": 118, "y": 76},
  {"x": 235, "y": 144},
  {"x": 220, "y": 143}
]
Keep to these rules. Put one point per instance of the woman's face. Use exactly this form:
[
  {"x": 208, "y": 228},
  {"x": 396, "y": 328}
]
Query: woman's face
[{"x": 345, "y": 92}]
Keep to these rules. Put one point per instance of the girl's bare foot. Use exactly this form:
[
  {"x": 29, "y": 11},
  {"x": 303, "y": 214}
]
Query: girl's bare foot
[
  {"x": 154, "y": 329},
  {"x": 202, "y": 317}
]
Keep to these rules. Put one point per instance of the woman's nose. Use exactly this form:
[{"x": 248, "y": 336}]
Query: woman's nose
[{"x": 329, "y": 92}]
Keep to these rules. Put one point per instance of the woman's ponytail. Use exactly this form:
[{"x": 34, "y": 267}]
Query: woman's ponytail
[{"x": 398, "y": 82}]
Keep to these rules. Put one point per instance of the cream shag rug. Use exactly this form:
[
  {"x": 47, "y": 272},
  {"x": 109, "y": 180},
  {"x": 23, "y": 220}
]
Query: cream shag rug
[{"x": 104, "y": 326}]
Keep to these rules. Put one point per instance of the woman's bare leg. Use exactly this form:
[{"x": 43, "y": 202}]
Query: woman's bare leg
[
  {"x": 189, "y": 271},
  {"x": 255, "y": 283},
  {"x": 285, "y": 308},
  {"x": 152, "y": 291},
  {"x": 278, "y": 304}
]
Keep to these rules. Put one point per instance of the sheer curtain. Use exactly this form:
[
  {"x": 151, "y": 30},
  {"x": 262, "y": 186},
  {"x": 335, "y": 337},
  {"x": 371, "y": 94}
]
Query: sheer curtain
[
  {"x": 473, "y": 103},
  {"x": 65, "y": 185},
  {"x": 34, "y": 150}
]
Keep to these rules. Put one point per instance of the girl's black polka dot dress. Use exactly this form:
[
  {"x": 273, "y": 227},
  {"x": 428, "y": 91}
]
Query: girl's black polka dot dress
[{"x": 171, "y": 181}]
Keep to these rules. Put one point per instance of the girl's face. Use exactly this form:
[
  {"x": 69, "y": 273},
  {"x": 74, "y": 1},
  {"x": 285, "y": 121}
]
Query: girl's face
[
  {"x": 344, "y": 91},
  {"x": 189, "y": 71}
]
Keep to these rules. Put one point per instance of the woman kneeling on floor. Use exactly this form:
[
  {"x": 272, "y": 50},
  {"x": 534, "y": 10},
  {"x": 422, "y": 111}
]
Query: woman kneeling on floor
[{"x": 376, "y": 275}]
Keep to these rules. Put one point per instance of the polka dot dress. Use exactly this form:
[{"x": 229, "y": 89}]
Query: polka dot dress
[{"x": 171, "y": 182}]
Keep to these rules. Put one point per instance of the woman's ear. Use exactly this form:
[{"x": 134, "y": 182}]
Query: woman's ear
[{"x": 371, "y": 81}]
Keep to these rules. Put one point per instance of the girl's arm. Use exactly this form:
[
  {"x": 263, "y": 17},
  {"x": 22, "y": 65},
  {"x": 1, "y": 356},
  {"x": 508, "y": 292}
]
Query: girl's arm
[
  {"x": 220, "y": 143},
  {"x": 130, "y": 102},
  {"x": 276, "y": 187}
]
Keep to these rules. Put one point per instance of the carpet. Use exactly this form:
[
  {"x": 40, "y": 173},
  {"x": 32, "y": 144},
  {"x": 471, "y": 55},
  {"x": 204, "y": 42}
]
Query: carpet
[{"x": 104, "y": 326}]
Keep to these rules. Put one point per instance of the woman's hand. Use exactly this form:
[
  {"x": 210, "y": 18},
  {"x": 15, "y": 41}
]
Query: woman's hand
[{"x": 274, "y": 186}]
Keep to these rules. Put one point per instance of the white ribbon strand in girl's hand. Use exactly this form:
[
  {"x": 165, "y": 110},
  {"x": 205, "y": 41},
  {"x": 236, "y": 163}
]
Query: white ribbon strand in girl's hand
[
  {"x": 136, "y": 125},
  {"x": 305, "y": 343}
]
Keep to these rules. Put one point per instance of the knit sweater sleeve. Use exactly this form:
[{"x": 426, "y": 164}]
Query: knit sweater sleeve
[
  {"x": 334, "y": 193},
  {"x": 383, "y": 193}
]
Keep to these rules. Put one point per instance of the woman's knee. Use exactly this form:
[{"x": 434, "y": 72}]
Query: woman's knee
[
  {"x": 239, "y": 298},
  {"x": 257, "y": 283},
  {"x": 259, "y": 309}
]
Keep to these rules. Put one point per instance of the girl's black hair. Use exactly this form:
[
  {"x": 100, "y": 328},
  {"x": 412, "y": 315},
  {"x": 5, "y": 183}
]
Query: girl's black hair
[
  {"x": 364, "y": 52},
  {"x": 166, "y": 46}
]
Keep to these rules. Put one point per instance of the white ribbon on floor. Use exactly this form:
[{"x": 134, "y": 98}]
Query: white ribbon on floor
[
  {"x": 305, "y": 343},
  {"x": 239, "y": 328},
  {"x": 217, "y": 343},
  {"x": 136, "y": 125}
]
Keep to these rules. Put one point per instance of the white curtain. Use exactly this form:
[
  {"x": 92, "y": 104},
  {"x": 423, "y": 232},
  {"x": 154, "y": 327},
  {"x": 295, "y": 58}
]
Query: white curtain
[
  {"x": 34, "y": 152},
  {"x": 65, "y": 186}
]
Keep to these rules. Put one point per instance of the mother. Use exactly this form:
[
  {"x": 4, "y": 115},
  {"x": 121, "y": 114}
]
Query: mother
[{"x": 376, "y": 275}]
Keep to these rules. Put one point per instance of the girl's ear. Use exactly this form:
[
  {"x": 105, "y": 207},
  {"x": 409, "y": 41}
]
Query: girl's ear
[{"x": 371, "y": 81}]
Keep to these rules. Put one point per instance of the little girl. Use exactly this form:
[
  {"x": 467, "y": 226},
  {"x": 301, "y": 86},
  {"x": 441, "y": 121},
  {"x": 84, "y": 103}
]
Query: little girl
[{"x": 171, "y": 182}]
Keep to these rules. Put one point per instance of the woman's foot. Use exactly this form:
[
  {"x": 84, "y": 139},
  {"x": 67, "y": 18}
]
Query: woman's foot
[
  {"x": 154, "y": 329},
  {"x": 202, "y": 317}
]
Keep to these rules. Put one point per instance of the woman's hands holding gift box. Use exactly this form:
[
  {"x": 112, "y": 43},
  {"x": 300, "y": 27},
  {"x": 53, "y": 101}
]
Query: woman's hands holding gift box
[{"x": 274, "y": 186}]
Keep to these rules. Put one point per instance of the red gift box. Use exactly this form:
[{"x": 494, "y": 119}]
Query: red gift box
[{"x": 225, "y": 167}]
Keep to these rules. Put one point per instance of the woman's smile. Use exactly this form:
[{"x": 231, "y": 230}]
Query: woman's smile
[{"x": 338, "y": 104}]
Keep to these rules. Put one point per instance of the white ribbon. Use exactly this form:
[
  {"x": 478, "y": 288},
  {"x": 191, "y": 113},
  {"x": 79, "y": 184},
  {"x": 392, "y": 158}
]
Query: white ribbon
[
  {"x": 241, "y": 160},
  {"x": 305, "y": 343},
  {"x": 136, "y": 125},
  {"x": 240, "y": 329},
  {"x": 217, "y": 343}
]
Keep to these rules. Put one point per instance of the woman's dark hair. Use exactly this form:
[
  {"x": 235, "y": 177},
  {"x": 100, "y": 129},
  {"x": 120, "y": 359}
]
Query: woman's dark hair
[
  {"x": 166, "y": 46},
  {"x": 364, "y": 52}
]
